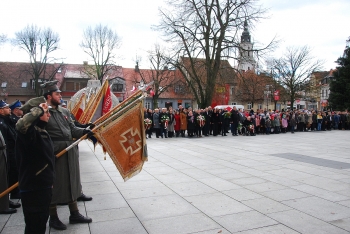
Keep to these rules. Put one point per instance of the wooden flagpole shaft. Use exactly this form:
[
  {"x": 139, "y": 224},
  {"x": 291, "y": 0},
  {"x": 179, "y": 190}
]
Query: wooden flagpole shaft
[{"x": 109, "y": 118}]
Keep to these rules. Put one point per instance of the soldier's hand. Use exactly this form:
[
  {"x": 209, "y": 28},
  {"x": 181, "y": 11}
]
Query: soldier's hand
[
  {"x": 88, "y": 132},
  {"x": 91, "y": 125},
  {"x": 44, "y": 106}
]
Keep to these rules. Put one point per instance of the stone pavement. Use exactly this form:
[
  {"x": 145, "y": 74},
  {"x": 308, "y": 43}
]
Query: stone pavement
[{"x": 286, "y": 183}]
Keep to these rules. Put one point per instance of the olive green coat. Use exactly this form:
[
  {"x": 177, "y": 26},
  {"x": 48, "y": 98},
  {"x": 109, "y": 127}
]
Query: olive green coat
[{"x": 66, "y": 186}]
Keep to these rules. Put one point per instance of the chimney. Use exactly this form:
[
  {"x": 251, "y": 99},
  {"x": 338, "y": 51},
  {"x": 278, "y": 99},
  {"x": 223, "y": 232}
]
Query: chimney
[
  {"x": 137, "y": 69},
  {"x": 85, "y": 62}
]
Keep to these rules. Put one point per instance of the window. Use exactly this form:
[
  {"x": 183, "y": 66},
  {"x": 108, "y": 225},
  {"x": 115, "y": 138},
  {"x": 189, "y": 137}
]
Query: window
[
  {"x": 24, "y": 84},
  {"x": 59, "y": 70},
  {"x": 179, "y": 89},
  {"x": 326, "y": 92},
  {"x": 117, "y": 88},
  {"x": 322, "y": 93},
  {"x": 232, "y": 91},
  {"x": 40, "y": 81},
  {"x": 233, "y": 103},
  {"x": 70, "y": 86},
  {"x": 249, "y": 106},
  {"x": 148, "y": 105},
  {"x": 259, "y": 106},
  {"x": 3, "y": 84}
]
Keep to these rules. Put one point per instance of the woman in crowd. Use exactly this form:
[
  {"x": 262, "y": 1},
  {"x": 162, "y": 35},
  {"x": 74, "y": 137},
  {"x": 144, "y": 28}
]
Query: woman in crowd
[
  {"x": 183, "y": 121},
  {"x": 191, "y": 124},
  {"x": 171, "y": 123},
  {"x": 177, "y": 126},
  {"x": 156, "y": 122}
]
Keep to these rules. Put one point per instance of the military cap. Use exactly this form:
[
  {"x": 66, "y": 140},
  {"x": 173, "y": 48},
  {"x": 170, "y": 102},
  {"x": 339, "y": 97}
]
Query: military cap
[
  {"x": 32, "y": 103},
  {"x": 15, "y": 104},
  {"x": 50, "y": 86},
  {"x": 3, "y": 104}
]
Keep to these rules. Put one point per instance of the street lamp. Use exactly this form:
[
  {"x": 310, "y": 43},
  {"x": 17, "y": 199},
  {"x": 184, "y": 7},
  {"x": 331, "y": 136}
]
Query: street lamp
[{"x": 267, "y": 93}]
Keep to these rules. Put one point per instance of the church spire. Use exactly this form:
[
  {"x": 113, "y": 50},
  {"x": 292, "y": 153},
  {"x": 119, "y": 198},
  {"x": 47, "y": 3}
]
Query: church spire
[{"x": 245, "y": 34}]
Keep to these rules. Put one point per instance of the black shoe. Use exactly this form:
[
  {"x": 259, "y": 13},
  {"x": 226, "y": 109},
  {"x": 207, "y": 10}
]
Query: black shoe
[
  {"x": 14, "y": 205},
  {"x": 8, "y": 211},
  {"x": 56, "y": 223},
  {"x": 76, "y": 217},
  {"x": 83, "y": 197}
]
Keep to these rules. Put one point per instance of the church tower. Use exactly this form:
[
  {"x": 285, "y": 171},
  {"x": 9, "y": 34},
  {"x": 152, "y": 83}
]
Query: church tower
[{"x": 246, "y": 59}]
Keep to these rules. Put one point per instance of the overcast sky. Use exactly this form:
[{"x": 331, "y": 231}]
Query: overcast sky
[{"x": 321, "y": 24}]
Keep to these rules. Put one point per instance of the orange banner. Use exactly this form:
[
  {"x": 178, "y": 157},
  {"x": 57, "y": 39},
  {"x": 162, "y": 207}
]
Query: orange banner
[{"x": 125, "y": 141}]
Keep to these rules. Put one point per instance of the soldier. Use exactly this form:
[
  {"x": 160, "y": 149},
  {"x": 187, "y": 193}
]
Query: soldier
[
  {"x": 9, "y": 135},
  {"x": 4, "y": 201},
  {"x": 67, "y": 185},
  {"x": 16, "y": 114},
  {"x": 36, "y": 164}
]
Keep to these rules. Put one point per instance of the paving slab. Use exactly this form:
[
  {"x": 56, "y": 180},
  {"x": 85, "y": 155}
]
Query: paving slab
[
  {"x": 244, "y": 221},
  {"x": 304, "y": 223},
  {"x": 320, "y": 208},
  {"x": 216, "y": 204},
  {"x": 192, "y": 223}
]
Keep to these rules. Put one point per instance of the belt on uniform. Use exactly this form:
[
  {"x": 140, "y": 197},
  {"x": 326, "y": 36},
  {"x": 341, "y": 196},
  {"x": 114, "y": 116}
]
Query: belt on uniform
[
  {"x": 62, "y": 139},
  {"x": 3, "y": 147}
]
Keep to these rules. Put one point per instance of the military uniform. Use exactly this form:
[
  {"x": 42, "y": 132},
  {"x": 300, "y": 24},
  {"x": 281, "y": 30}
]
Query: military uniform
[
  {"x": 62, "y": 130},
  {"x": 67, "y": 185},
  {"x": 4, "y": 201},
  {"x": 36, "y": 164}
]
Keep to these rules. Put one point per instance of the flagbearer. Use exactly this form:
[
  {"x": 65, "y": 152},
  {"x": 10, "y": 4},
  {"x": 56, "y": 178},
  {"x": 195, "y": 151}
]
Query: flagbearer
[
  {"x": 36, "y": 164},
  {"x": 67, "y": 186}
]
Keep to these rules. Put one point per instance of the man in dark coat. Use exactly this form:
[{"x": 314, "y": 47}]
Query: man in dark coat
[
  {"x": 4, "y": 201},
  {"x": 207, "y": 115},
  {"x": 16, "y": 114},
  {"x": 9, "y": 135},
  {"x": 163, "y": 124},
  {"x": 234, "y": 121},
  {"x": 36, "y": 164},
  {"x": 67, "y": 185}
]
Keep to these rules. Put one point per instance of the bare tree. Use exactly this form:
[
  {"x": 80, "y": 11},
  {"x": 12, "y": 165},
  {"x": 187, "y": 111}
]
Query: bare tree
[
  {"x": 251, "y": 87},
  {"x": 3, "y": 38},
  {"x": 39, "y": 43},
  {"x": 294, "y": 69},
  {"x": 160, "y": 73},
  {"x": 100, "y": 43},
  {"x": 206, "y": 29}
]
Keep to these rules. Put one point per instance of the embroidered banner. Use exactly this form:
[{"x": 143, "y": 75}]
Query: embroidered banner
[{"x": 124, "y": 139}]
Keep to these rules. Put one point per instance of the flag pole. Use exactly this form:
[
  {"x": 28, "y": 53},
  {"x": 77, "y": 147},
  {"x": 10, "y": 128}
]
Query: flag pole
[{"x": 103, "y": 122}]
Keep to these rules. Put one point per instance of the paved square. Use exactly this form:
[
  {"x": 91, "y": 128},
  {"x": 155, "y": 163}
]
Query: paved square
[{"x": 286, "y": 183}]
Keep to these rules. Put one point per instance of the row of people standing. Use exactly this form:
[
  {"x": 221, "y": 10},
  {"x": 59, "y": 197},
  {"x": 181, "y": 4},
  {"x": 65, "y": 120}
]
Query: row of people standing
[{"x": 208, "y": 121}]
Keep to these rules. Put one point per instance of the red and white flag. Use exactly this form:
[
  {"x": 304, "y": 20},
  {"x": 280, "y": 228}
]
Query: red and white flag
[{"x": 107, "y": 101}]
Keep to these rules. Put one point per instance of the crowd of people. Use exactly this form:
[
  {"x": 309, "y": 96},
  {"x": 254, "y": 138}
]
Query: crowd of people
[{"x": 186, "y": 122}]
